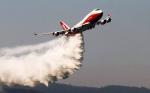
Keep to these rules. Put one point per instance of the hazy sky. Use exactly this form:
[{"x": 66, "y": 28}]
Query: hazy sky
[{"x": 117, "y": 53}]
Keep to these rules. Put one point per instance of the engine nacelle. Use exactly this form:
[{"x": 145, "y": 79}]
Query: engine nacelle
[
  {"x": 73, "y": 29},
  {"x": 56, "y": 33},
  {"x": 102, "y": 22},
  {"x": 108, "y": 19}
]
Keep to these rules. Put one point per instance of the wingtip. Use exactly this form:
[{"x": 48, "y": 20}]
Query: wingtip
[
  {"x": 35, "y": 34},
  {"x": 110, "y": 14}
]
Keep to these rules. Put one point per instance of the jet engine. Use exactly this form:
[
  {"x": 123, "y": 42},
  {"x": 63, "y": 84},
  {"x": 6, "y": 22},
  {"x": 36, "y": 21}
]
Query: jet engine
[
  {"x": 108, "y": 19},
  {"x": 56, "y": 33},
  {"x": 102, "y": 22}
]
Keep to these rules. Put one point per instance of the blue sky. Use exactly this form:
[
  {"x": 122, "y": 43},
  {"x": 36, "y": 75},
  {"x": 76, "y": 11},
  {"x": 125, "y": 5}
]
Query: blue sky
[{"x": 117, "y": 53}]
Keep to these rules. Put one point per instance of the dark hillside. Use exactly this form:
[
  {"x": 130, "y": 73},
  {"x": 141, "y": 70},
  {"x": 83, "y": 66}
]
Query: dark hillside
[{"x": 62, "y": 88}]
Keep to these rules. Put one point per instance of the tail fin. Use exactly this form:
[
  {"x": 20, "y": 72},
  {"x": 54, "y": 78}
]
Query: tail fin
[{"x": 64, "y": 25}]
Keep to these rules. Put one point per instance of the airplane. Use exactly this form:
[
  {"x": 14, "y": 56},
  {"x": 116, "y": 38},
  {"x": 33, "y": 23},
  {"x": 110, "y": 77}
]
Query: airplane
[{"x": 89, "y": 22}]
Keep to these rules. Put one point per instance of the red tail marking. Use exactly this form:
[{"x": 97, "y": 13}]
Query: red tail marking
[{"x": 64, "y": 25}]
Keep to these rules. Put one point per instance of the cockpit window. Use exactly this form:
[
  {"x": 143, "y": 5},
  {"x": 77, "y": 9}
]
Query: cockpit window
[{"x": 97, "y": 9}]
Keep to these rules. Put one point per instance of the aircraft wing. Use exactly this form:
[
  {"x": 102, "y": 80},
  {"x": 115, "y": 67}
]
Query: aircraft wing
[
  {"x": 43, "y": 33},
  {"x": 105, "y": 20},
  {"x": 65, "y": 32},
  {"x": 56, "y": 33}
]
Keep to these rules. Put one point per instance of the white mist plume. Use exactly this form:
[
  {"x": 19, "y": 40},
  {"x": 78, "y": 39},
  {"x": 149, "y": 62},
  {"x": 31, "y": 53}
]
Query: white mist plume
[{"x": 42, "y": 63}]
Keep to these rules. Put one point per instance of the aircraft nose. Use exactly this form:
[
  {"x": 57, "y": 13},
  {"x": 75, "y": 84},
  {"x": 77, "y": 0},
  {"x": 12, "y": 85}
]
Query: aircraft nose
[
  {"x": 97, "y": 9},
  {"x": 100, "y": 11}
]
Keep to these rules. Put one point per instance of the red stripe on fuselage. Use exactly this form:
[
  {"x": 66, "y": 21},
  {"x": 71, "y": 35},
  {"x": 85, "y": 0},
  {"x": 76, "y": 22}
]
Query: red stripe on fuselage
[{"x": 93, "y": 18}]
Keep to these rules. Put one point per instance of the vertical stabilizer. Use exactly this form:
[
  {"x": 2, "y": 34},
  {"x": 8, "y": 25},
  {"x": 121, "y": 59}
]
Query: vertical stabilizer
[{"x": 64, "y": 26}]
